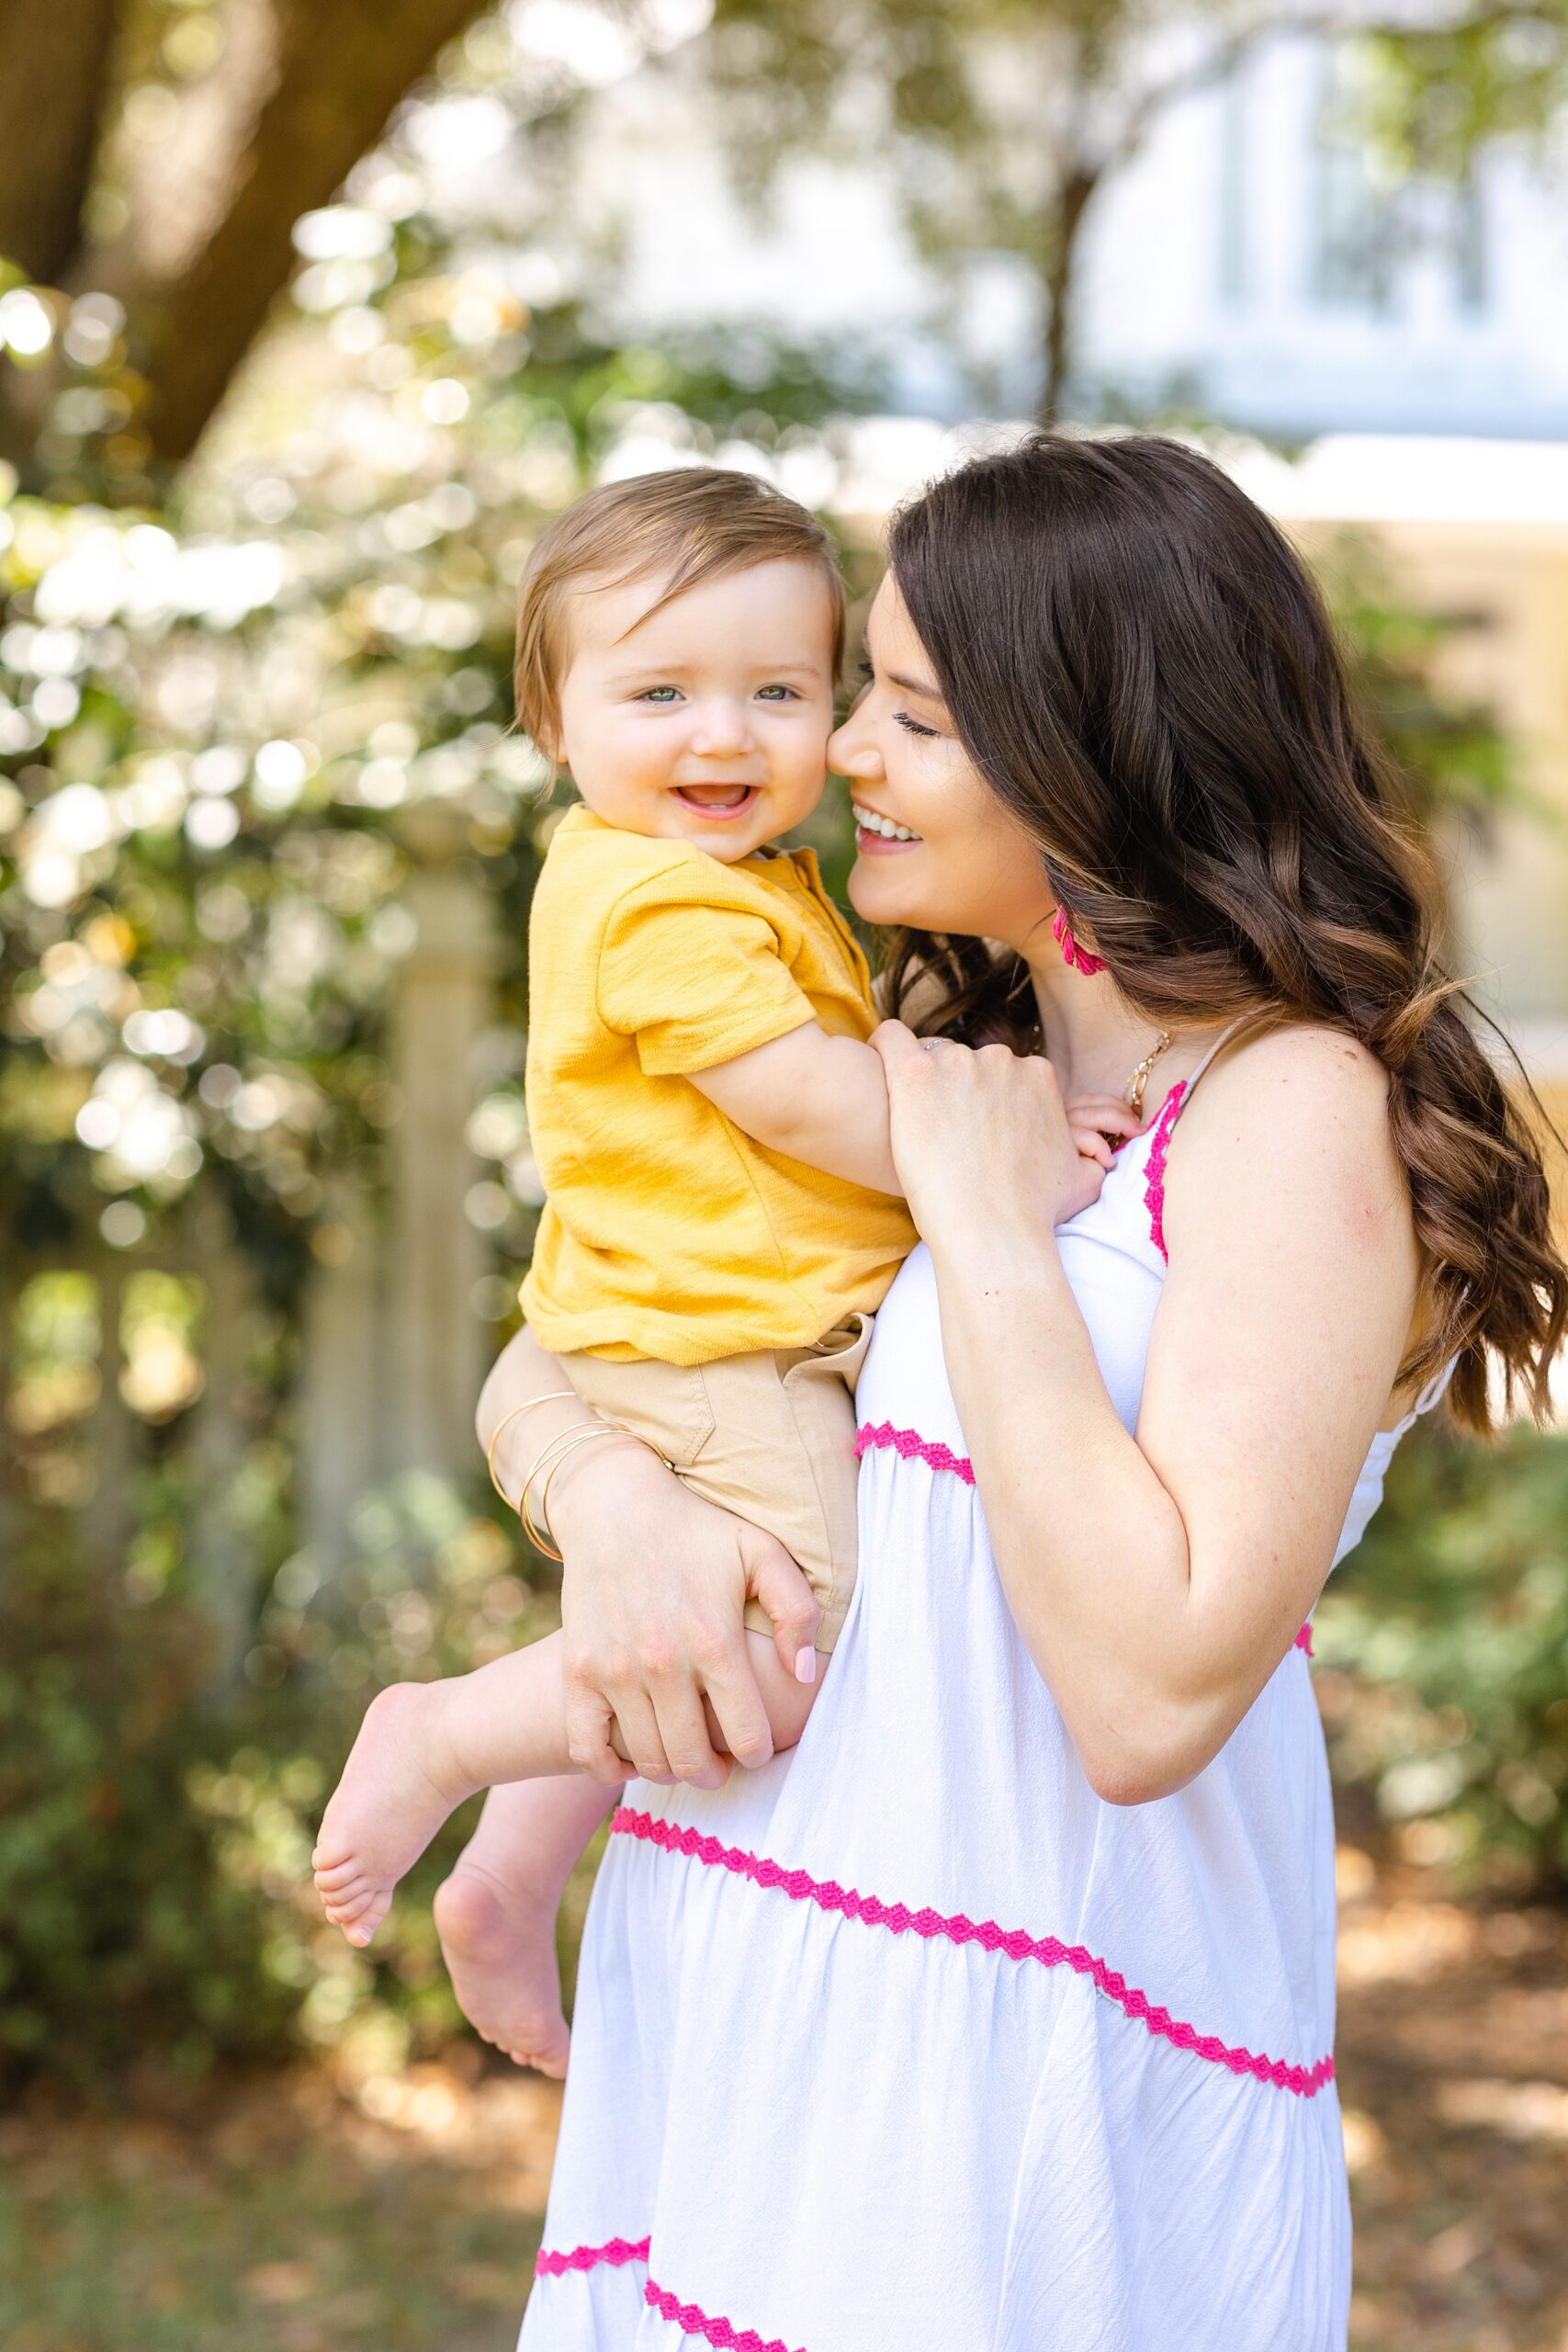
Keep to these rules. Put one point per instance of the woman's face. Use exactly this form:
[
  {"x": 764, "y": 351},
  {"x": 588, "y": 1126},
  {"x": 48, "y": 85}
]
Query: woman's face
[{"x": 969, "y": 867}]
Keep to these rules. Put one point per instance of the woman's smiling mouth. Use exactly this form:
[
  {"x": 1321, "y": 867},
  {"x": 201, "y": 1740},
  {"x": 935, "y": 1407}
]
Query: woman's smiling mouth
[{"x": 874, "y": 833}]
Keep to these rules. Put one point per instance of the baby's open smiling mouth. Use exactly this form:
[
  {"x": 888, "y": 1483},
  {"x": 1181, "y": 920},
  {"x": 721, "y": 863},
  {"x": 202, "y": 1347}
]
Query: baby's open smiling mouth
[{"x": 719, "y": 800}]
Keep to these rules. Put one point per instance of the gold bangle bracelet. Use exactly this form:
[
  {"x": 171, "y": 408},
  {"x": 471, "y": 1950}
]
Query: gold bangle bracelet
[
  {"x": 546, "y": 1457},
  {"x": 536, "y": 1526},
  {"x": 555, "y": 1395},
  {"x": 538, "y": 1529}
]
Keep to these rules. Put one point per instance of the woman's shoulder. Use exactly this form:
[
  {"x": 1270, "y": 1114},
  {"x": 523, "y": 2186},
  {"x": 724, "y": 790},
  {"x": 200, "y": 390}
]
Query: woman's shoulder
[
  {"x": 1298, "y": 1070},
  {"x": 1296, "y": 1114}
]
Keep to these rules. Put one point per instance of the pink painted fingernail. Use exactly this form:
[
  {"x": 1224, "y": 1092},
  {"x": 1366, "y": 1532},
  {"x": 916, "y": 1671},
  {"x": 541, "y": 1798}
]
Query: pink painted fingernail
[{"x": 806, "y": 1666}]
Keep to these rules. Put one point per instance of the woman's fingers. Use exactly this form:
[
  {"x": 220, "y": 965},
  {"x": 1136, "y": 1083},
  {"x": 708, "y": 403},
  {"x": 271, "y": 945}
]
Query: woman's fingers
[
  {"x": 639, "y": 1728},
  {"x": 589, "y": 1717},
  {"x": 684, "y": 1735},
  {"x": 774, "y": 1579},
  {"x": 733, "y": 1696}
]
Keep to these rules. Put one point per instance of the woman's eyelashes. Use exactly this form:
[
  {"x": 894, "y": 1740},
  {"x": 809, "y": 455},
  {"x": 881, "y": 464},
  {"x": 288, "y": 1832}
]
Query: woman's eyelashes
[{"x": 902, "y": 717}]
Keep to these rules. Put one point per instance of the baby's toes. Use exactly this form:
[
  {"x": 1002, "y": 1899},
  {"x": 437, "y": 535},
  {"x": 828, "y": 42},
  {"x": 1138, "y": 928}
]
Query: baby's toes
[
  {"x": 351, "y": 1903},
  {"x": 334, "y": 1862},
  {"x": 360, "y": 1930}
]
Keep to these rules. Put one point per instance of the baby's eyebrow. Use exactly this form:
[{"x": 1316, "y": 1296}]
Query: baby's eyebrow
[{"x": 803, "y": 668}]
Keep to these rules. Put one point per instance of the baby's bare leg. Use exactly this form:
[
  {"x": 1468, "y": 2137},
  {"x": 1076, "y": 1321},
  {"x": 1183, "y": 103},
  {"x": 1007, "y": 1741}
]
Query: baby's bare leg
[
  {"x": 422, "y": 1747},
  {"x": 496, "y": 1914}
]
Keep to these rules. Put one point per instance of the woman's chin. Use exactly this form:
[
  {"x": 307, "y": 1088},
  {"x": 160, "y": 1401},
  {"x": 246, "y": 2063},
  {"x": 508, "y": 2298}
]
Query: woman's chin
[{"x": 880, "y": 893}]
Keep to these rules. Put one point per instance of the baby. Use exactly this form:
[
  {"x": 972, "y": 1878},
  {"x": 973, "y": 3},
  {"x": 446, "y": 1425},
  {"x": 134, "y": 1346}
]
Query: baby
[{"x": 709, "y": 1118}]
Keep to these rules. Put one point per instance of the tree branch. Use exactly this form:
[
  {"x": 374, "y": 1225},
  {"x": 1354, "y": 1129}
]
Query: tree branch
[
  {"x": 302, "y": 90},
  {"x": 56, "y": 62}
]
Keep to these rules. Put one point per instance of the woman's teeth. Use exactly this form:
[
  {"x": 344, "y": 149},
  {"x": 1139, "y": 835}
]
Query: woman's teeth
[{"x": 870, "y": 823}]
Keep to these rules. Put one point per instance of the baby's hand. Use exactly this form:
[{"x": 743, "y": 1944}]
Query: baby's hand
[{"x": 1096, "y": 1122}]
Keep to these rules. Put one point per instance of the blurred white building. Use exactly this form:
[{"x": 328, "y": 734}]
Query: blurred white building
[{"x": 1260, "y": 259}]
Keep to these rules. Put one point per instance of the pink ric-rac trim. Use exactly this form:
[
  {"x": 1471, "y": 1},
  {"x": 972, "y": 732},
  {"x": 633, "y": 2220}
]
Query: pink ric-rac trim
[
  {"x": 693, "y": 2321},
  {"x": 1154, "y": 1184},
  {"x": 588, "y": 2257},
  {"x": 912, "y": 1447},
  {"x": 671, "y": 1838}
]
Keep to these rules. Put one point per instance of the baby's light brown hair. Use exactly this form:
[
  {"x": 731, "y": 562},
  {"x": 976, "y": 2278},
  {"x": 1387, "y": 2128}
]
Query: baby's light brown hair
[{"x": 691, "y": 523}]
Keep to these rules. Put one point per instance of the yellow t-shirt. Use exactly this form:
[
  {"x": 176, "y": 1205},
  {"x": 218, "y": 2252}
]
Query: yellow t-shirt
[{"x": 668, "y": 1232}]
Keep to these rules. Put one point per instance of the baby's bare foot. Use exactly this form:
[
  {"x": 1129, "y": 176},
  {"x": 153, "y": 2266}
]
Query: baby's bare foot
[
  {"x": 397, "y": 1789},
  {"x": 499, "y": 1945}
]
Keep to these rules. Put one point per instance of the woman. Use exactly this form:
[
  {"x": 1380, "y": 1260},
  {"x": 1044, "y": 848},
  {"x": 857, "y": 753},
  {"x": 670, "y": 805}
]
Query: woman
[{"x": 999, "y": 2013}]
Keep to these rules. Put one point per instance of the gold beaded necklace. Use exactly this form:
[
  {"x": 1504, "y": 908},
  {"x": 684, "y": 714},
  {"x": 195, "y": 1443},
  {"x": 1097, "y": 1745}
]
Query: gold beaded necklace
[{"x": 1133, "y": 1093}]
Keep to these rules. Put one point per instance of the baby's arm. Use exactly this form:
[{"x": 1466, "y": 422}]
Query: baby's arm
[
  {"x": 824, "y": 1100},
  {"x": 813, "y": 1097}
]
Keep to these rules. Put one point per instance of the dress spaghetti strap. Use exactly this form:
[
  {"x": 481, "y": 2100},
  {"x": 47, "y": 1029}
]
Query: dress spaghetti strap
[{"x": 1221, "y": 1042}]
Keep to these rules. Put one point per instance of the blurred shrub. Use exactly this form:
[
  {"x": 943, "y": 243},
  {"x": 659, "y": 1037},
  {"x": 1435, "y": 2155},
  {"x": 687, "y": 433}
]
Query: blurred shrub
[
  {"x": 155, "y": 1836},
  {"x": 1443, "y": 1645}
]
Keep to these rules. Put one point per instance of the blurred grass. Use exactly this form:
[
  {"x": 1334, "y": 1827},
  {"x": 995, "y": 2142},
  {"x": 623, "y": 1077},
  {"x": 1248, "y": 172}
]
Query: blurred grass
[{"x": 279, "y": 2218}]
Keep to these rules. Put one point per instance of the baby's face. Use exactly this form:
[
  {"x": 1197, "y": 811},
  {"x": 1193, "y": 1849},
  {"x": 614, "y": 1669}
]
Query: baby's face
[{"x": 706, "y": 720}]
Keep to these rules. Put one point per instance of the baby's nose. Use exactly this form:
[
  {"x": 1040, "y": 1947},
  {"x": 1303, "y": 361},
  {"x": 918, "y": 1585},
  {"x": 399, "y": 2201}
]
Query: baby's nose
[{"x": 721, "y": 727}]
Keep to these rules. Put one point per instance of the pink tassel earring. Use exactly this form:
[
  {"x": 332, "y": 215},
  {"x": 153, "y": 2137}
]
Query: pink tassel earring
[{"x": 1079, "y": 958}]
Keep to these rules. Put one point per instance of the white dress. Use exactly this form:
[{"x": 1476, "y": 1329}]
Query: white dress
[{"x": 908, "y": 2042}]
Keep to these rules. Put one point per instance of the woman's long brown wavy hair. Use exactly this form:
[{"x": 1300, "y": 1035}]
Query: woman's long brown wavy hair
[{"x": 1141, "y": 669}]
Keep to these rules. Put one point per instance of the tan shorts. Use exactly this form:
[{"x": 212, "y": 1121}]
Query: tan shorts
[{"x": 770, "y": 1436}]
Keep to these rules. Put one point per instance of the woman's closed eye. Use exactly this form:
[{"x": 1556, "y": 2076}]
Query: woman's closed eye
[{"x": 902, "y": 717}]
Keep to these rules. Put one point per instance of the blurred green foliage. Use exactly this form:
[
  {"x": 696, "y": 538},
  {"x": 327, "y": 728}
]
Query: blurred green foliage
[
  {"x": 155, "y": 1845},
  {"x": 1444, "y": 1645}
]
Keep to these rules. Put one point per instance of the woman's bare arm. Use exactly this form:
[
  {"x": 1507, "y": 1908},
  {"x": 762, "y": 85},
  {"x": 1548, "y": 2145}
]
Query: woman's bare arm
[
  {"x": 1158, "y": 1580},
  {"x": 653, "y": 1587}
]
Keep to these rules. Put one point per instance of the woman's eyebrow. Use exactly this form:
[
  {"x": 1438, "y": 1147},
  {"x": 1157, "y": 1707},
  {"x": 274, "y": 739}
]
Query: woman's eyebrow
[{"x": 920, "y": 687}]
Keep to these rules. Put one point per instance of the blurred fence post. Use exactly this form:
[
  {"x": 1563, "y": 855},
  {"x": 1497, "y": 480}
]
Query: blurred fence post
[
  {"x": 110, "y": 1431},
  {"x": 435, "y": 1256},
  {"x": 223, "y": 1562},
  {"x": 342, "y": 1405}
]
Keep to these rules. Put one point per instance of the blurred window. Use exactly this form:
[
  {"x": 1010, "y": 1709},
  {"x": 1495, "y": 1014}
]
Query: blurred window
[{"x": 1374, "y": 216}]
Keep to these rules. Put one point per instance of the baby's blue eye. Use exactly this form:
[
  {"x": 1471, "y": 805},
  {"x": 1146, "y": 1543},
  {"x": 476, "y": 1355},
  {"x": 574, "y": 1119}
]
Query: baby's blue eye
[
  {"x": 659, "y": 694},
  {"x": 777, "y": 694}
]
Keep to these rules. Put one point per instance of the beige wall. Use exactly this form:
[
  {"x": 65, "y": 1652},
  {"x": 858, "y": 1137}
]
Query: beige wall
[{"x": 1506, "y": 586}]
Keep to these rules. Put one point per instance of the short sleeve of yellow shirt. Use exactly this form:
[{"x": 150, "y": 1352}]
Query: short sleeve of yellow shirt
[{"x": 694, "y": 972}]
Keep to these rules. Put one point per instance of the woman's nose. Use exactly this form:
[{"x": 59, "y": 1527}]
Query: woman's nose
[{"x": 852, "y": 749}]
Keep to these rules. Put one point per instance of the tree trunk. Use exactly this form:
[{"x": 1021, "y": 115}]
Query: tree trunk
[
  {"x": 1063, "y": 224},
  {"x": 301, "y": 89},
  {"x": 309, "y": 87},
  {"x": 54, "y": 65}
]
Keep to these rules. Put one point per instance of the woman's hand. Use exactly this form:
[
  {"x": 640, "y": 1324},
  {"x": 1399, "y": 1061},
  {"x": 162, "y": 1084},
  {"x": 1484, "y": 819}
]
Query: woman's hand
[
  {"x": 985, "y": 1131},
  {"x": 653, "y": 1587}
]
